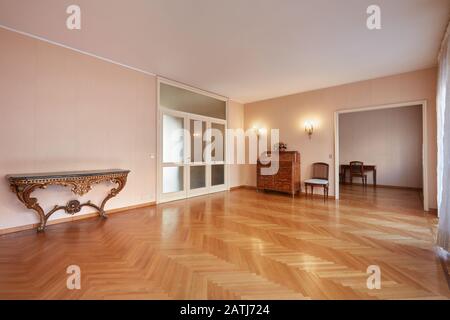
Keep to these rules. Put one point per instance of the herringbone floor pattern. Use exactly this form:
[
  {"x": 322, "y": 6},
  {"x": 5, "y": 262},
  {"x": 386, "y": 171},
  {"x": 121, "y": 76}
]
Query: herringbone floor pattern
[{"x": 235, "y": 245}]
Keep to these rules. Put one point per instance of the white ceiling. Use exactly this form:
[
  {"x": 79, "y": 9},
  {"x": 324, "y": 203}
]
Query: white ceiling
[{"x": 247, "y": 50}]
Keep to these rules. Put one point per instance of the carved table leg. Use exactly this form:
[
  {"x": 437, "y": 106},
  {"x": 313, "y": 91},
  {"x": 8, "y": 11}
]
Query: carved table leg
[
  {"x": 24, "y": 195},
  {"x": 120, "y": 181}
]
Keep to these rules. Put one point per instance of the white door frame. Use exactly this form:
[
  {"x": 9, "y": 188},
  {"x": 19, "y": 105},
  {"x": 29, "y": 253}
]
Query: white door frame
[
  {"x": 160, "y": 110},
  {"x": 422, "y": 103}
]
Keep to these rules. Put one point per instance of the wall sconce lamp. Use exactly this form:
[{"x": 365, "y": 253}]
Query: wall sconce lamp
[
  {"x": 309, "y": 128},
  {"x": 260, "y": 131}
]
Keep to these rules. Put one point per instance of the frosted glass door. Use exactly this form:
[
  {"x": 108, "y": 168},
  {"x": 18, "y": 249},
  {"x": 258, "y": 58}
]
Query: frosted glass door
[
  {"x": 198, "y": 171},
  {"x": 191, "y": 155},
  {"x": 218, "y": 166},
  {"x": 173, "y": 155}
]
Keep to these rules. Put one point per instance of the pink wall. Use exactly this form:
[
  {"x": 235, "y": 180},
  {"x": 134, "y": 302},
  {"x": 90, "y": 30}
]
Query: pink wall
[
  {"x": 236, "y": 121},
  {"x": 290, "y": 112},
  {"x": 389, "y": 138},
  {"x": 62, "y": 110}
]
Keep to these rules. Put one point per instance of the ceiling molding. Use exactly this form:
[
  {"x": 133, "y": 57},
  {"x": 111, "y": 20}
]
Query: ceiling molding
[
  {"x": 76, "y": 50},
  {"x": 114, "y": 62}
]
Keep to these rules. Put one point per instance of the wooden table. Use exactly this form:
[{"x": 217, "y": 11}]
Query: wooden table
[
  {"x": 370, "y": 167},
  {"x": 81, "y": 182}
]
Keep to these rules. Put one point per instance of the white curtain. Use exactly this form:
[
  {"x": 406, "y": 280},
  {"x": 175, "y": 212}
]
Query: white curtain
[{"x": 443, "y": 134}]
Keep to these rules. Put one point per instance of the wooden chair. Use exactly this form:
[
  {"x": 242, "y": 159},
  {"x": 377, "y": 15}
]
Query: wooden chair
[
  {"x": 357, "y": 170},
  {"x": 341, "y": 175},
  {"x": 320, "y": 178}
]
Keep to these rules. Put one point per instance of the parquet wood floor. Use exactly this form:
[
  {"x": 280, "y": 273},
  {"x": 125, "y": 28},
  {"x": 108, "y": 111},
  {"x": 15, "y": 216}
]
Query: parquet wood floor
[{"x": 235, "y": 245}]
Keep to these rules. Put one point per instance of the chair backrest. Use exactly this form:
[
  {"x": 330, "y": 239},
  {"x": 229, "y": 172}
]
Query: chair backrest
[
  {"x": 357, "y": 167},
  {"x": 320, "y": 170}
]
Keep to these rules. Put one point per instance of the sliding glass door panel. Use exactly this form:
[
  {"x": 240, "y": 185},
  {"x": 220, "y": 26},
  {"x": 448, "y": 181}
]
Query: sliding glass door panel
[
  {"x": 172, "y": 169},
  {"x": 198, "y": 167},
  {"x": 218, "y": 178}
]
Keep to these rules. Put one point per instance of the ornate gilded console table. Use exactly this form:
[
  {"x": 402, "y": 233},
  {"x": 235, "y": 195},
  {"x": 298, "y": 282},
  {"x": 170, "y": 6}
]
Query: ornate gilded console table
[{"x": 80, "y": 182}]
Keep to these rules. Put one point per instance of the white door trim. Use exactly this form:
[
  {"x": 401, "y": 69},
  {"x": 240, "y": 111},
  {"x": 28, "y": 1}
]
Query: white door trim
[{"x": 422, "y": 103}]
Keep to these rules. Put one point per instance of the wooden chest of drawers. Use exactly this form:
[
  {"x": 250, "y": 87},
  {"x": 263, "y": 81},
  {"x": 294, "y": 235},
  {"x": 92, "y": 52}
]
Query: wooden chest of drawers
[{"x": 286, "y": 179}]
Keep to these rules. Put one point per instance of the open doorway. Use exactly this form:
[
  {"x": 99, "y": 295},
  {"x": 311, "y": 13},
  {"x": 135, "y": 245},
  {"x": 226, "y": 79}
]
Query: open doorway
[{"x": 381, "y": 154}]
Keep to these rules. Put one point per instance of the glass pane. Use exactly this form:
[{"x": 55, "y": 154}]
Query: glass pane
[
  {"x": 218, "y": 142},
  {"x": 197, "y": 128},
  {"x": 173, "y": 135},
  {"x": 198, "y": 177},
  {"x": 172, "y": 179},
  {"x": 180, "y": 99},
  {"x": 217, "y": 174}
]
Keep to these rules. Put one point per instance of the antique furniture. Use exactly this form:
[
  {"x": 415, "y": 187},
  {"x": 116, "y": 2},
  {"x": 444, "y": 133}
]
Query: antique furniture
[
  {"x": 280, "y": 146},
  {"x": 80, "y": 182},
  {"x": 341, "y": 174},
  {"x": 285, "y": 179},
  {"x": 319, "y": 178},
  {"x": 357, "y": 170},
  {"x": 367, "y": 168}
]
